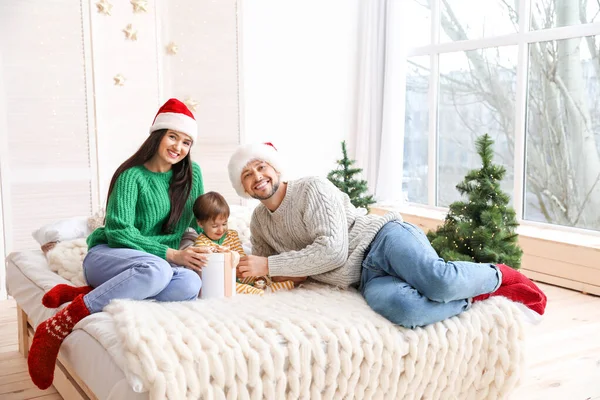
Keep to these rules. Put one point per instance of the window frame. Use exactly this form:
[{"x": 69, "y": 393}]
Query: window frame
[{"x": 522, "y": 39}]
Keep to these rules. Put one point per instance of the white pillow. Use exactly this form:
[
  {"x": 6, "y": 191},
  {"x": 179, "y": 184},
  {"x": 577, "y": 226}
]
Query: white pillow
[{"x": 60, "y": 231}]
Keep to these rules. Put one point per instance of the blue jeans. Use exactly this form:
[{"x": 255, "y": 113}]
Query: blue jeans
[
  {"x": 405, "y": 280},
  {"x": 120, "y": 273}
]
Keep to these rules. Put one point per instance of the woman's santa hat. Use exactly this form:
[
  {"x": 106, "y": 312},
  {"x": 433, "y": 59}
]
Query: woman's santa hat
[
  {"x": 176, "y": 116},
  {"x": 250, "y": 152}
]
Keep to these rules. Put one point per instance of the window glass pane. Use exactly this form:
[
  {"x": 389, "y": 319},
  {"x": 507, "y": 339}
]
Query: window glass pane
[
  {"x": 417, "y": 23},
  {"x": 477, "y": 96},
  {"x": 462, "y": 19},
  {"x": 563, "y": 133},
  {"x": 556, "y": 13},
  {"x": 416, "y": 130}
]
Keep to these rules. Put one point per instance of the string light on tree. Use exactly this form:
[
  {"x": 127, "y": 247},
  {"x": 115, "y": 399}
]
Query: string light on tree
[
  {"x": 473, "y": 224},
  {"x": 104, "y": 7},
  {"x": 130, "y": 32}
]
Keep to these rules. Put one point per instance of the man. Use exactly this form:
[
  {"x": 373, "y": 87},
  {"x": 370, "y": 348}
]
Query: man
[{"x": 308, "y": 227}]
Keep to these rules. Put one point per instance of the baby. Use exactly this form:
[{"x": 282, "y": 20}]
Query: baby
[{"x": 212, "y": 212}]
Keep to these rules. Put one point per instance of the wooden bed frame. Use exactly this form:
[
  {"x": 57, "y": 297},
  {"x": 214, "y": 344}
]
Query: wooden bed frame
[{"x": 67, "y": 383}]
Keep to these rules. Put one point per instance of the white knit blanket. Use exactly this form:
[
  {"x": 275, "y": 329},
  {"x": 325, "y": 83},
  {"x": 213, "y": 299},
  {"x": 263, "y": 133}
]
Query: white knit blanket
[
  {"x": 66, "y": 259},
  {"x": 314, "y": 342}
]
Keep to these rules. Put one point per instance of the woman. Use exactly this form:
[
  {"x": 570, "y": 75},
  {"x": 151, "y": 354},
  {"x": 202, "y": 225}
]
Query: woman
[{"x": 135, "y": 256}]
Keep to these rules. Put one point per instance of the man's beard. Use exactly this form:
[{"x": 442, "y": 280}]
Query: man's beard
[{"x": 268, "y": 196}]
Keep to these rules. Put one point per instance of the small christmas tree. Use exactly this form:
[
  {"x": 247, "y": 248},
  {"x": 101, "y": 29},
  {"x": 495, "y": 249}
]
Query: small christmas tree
[
  {"x": 482, "y": 229},
  {"x": 343, "y": 178}
]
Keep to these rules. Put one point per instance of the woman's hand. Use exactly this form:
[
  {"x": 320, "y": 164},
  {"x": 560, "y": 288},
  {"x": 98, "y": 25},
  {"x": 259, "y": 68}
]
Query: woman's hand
[{"x": 193, "y": 258}]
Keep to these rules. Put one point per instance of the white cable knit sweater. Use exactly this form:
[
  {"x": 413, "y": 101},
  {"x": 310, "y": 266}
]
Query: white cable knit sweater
[{"x": 315, "y": 232}]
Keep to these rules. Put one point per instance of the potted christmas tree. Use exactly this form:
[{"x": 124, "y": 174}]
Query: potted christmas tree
[
  {"x": 481, "y": 229},
  {"x": 344, "y": 178}
]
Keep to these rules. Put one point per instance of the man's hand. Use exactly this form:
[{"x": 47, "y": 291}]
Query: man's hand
[
  {"x": 253, "y": 266},
  {"x": 193, "y": 258}
]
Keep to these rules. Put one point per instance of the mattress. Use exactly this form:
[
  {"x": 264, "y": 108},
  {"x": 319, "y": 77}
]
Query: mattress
[
  {"x": 476, "y": 355},
  {"x": 28, "y": 278}
]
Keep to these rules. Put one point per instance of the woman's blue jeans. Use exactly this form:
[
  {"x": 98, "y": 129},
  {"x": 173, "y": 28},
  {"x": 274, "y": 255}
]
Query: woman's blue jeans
[
  {"x": 120, "y": 273},
  {"x": 405, "y": 280}
]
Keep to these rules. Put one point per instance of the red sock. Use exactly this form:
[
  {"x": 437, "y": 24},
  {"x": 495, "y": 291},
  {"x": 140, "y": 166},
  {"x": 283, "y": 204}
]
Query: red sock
[
  {"x": 62, "y": 293},
  {"x": 47, "y": 340},
  {"x": 517, "y": 287}
]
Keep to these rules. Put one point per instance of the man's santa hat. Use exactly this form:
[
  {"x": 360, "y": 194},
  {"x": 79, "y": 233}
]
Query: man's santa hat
[
  {"x": 176, "y": 116},
  {"x": 250, "y": 152}
]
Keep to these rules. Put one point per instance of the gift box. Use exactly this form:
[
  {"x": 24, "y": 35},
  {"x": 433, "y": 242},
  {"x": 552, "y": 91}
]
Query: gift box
[{"x": 218, "y": 276}]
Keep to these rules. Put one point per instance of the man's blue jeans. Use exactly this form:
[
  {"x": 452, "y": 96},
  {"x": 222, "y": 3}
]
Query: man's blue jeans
[
  {"x": 132, "y": 274},
  {"x": 405, "y": 280}
]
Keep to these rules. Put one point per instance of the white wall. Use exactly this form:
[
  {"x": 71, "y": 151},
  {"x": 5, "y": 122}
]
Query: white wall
[
  {"x": 3, "y": 165},
  {"x": 44, "y": 148},
  {"x": 123, "y": 114},
  {"x": 298, "y": 63},
  {"x": 206, "y": 69}
]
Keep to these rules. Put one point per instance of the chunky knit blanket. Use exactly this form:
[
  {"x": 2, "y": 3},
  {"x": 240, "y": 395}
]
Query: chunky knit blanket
[
  {"x": 66, "y": 259},
  {"x": 313, "y": 342}
]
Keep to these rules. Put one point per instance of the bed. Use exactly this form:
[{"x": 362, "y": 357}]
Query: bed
[
  {"x": 28, "y": 278},
  {"x": 312, "y": 342}
]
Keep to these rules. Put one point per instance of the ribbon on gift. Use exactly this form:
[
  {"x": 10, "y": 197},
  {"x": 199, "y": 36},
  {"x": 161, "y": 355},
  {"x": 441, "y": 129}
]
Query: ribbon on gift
[
  {"x": 231, "y": 261},
  {"x": 227, "y": 281}
]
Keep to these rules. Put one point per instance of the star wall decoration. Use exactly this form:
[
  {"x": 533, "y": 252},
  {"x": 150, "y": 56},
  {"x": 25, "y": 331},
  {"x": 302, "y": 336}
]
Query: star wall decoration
[
  {"x": 130, "y": 33},
  {"x": 119, "y": 80},
  {"x": 104, "y": 7},
  {"x": 172, "y": 48},
  {"x": 139, "y": 6},
  {"x": 191, "y": 104}
]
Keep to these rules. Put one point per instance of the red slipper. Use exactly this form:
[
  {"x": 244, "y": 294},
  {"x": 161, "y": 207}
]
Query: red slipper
[{"x": 517, "y": 287}]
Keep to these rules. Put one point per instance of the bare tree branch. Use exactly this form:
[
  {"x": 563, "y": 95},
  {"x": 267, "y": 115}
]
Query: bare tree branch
[{"x": 587, "y": 198}]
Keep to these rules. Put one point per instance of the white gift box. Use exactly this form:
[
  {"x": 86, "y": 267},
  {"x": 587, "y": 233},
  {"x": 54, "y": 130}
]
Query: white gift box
[{"x": 218, "y": 276}]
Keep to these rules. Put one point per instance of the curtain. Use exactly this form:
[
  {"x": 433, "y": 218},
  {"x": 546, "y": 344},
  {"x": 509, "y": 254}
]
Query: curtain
[{"x": 377, "y": 138}]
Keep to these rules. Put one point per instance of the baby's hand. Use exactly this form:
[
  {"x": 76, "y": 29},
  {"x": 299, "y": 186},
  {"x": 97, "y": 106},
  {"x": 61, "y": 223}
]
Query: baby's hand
[
  {"x": 222, "y": 249},
  {"x": 205, "y": 249}
]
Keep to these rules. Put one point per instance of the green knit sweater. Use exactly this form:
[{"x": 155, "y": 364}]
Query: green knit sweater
[{"x": 138, "y": 207}]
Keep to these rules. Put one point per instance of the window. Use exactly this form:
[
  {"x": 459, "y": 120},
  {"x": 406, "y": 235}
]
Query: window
[
  {"x": 525, "y": 72},
  {"x": 417, "y": 127}
]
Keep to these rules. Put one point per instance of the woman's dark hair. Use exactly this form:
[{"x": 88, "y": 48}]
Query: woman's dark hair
[{"x": 181, "y": 181}]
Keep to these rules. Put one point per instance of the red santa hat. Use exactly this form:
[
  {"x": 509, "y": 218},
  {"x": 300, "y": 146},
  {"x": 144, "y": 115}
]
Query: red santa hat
[
  {"x": 176, "y": 116},
  {"x": 250, "y": 152}
]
